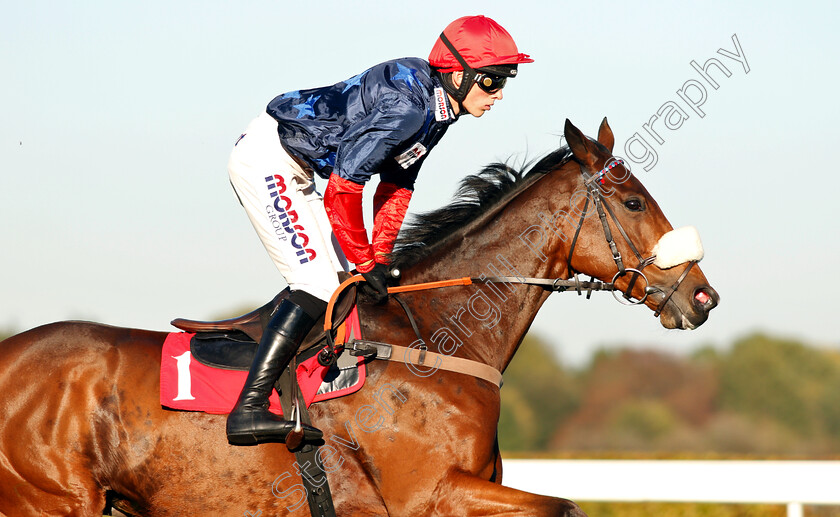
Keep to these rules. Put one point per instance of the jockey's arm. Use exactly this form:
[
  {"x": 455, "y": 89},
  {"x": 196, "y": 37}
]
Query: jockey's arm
[
  {"x": 343, "y": 202},
  {"x": 367, "y": 146}
]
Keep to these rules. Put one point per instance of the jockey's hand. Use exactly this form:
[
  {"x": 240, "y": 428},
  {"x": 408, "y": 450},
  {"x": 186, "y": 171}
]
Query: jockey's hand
[{"x": 376, "y": 285}]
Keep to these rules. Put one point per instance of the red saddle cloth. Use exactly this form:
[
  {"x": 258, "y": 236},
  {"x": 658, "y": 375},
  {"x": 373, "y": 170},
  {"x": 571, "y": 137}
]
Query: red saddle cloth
[{"x": 188, "y": 385}]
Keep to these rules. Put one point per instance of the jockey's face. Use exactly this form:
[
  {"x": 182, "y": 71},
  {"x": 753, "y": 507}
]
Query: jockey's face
[{"x": 478, "y": 101}]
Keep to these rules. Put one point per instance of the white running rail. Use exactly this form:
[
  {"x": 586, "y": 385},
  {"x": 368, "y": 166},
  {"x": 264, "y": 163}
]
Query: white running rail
[{"x": 790, "y": 483}]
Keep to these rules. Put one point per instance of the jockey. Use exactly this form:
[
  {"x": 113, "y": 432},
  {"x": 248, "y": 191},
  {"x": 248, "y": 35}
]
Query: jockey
[{"x": 383, "y": 121}]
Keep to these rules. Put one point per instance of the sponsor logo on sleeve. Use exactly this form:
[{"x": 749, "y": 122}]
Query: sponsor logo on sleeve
[{"x": 441, "y": 108}]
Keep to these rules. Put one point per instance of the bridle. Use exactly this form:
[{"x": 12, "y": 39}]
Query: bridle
[{"x": 591, "y": 182}]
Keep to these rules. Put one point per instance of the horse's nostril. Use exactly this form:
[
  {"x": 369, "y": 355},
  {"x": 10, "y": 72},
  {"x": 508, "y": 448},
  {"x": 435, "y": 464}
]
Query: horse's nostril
[{"x": 705, "y": 298}]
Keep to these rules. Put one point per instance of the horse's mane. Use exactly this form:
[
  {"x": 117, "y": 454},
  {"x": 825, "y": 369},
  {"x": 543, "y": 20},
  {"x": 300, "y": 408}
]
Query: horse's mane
[{"x": 477, "y": 194}]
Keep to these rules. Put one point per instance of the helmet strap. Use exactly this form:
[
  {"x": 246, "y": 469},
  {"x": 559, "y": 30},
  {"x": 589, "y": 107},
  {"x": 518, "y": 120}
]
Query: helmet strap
[
  {"x": 448, "y": 84},
  {"x": 459, "y": 93}
]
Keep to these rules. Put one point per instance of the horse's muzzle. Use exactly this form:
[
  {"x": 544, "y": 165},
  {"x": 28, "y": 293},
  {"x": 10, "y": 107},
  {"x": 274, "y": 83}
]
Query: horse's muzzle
[
  {"x": 703, "y": 300},
  {"x": 682, "y": 312}
]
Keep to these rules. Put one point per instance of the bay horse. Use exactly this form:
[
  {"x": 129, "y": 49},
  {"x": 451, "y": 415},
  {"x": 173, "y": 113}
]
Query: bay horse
[{"x": 81, "y": 418}]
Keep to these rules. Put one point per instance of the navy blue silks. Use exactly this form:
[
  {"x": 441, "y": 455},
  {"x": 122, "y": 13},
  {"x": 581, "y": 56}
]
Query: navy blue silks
[{"x": 382, "y": 121}]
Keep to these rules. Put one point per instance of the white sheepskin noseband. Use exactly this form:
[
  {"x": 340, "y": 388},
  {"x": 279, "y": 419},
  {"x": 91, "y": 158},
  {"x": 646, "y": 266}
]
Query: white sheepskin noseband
[{"x": 678, "y": 247}]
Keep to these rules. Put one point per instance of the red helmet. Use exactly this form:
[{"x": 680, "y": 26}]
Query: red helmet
[{"x": 480, "y": 41}]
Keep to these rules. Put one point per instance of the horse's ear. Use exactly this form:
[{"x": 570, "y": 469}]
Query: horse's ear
[
  {"x": 605, "y": 135},
  {"x": 581, "y": 147}
]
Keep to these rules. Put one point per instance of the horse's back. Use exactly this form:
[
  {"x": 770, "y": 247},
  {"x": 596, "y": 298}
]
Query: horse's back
[
  {"x": 48, "y": 361},
  {"x": 60, "y": 413}
]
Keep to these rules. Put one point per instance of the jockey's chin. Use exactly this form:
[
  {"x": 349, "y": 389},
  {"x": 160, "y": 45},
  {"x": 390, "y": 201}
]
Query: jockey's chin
[{"x": 479, "y": 102}]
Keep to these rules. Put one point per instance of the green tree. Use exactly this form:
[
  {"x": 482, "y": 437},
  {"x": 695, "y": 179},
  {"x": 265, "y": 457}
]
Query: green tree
[
  {"x": 645, "y": 419},
  {"x": 784, "y": 381},
  {"x": 640, "y": 400},
  {"x": 538, "y": 393}
]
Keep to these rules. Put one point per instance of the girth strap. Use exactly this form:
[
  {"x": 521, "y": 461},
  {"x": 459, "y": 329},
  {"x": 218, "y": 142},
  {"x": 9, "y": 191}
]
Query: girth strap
[{"x": 430, "y": 360}]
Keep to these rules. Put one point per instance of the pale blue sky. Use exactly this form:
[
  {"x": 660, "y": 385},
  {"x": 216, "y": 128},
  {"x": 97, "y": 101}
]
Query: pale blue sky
[{"x": 117, "y": 120}]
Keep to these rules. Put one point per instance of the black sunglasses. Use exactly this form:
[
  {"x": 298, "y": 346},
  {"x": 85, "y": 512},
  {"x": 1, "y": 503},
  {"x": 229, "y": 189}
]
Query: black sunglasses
[{"x": 490, "y": 83}]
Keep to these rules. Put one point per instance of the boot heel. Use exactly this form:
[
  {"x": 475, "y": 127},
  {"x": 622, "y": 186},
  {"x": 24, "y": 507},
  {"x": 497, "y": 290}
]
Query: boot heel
[{"x": 242, "y": 439}]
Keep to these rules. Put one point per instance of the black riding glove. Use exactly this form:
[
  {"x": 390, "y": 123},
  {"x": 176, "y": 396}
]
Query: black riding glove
[{"x": 376, "y": 285}]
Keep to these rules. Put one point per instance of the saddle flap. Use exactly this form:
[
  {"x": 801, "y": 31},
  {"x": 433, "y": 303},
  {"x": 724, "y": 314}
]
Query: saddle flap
[{"x": 224, "y": 350}]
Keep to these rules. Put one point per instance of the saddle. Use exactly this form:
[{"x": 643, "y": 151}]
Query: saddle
[{"x": 253, "y": 323}]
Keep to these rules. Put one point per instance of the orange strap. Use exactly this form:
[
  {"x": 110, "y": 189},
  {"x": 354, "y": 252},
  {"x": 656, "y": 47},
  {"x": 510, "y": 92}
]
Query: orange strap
[
  {"x": 399, "y": 289},
  {"x": 331, "y": 306},
  {"x": 430, "y": 285}
]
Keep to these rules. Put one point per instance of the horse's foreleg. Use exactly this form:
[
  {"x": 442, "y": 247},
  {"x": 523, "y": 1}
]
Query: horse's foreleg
[{"x": 461, "y": 494}]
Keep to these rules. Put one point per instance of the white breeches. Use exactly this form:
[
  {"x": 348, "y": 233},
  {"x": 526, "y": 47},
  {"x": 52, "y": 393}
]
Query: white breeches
[{"x": 286, "y": 210}]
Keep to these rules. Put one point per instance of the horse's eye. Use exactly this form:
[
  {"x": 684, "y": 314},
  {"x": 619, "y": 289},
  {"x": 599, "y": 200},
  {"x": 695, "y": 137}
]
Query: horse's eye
[{"x": 634, "y": 205}]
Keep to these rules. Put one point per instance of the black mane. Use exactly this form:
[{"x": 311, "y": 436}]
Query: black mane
[{"x": 476, "y": 195}]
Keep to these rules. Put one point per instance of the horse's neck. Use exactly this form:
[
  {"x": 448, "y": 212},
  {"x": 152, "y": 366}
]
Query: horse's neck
[{"x": 492, "y": 319}]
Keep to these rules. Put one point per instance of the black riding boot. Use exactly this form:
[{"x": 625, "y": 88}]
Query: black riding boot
[{"x": 250, "y": 422}]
